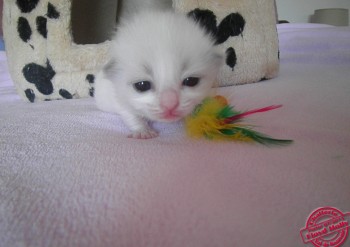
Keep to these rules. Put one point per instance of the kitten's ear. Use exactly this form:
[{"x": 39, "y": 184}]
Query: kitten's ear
[{"x": 110, "y": 69}]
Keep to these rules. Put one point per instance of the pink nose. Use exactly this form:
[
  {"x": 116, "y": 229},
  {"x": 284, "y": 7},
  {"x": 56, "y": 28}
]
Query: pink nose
[{"x": 169, "y": 100}]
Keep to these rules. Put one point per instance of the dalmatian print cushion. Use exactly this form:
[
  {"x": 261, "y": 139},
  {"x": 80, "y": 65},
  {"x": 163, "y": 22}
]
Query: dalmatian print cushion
[
  {"x": 245, "y": 30},
  {"x": 40, "y": 75},
  {"x": 40, "y": 70}
]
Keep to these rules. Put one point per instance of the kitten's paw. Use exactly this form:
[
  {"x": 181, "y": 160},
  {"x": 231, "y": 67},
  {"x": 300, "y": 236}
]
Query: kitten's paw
[{"x": 144, "y": 134}]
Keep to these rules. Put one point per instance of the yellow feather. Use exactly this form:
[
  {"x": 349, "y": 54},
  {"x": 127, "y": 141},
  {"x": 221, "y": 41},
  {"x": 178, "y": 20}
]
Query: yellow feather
[
  {"x": 204, "y": 122},
  {"x": 204, "y": 118},
  {"x": 216, "y": 120}
]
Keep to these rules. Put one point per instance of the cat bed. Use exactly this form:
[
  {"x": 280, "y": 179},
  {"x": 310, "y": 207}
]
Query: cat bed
[
  {"x": 246, "y": 30},
  {"x": 46, "y": 64}
]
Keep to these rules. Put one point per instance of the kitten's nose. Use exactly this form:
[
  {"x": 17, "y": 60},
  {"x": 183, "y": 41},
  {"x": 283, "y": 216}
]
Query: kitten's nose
[{"x": 169, "y": 100}]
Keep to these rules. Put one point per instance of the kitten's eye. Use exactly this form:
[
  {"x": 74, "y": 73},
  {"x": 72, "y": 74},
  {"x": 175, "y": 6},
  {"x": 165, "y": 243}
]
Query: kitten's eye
[
  {"x": 142, "y": 86},
  {"x": 190, "y": 81}
]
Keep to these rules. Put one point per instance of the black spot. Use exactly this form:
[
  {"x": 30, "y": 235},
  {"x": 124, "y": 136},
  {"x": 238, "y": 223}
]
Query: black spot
[
  {"x": 231, "y": 58},
  {"x": 40, "y": 76},
  {"x": 65, "y": 94},
  {"x": 206, "y": 19},
  {"x": 27, "y": 6},
  {"x": 30, "y": 94},
  {"x": 90, "y": 78},
  {"x": 41, "y": 26},
  {"x": 231, "y": 25},
  {"x": 92, "y": 92},
  {"x": 52, "y": 13},
  {"x": 23, "y": 28}
]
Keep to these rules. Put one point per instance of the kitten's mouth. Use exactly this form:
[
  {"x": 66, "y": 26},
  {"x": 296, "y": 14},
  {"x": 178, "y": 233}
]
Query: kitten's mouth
[{"x": 170, "y": 117}]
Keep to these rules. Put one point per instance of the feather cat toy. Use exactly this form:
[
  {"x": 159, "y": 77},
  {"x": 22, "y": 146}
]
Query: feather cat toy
[{"x": 215, "y": 119}]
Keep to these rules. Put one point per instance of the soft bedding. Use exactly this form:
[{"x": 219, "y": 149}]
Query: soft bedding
[{"x": 70, "y": 177}]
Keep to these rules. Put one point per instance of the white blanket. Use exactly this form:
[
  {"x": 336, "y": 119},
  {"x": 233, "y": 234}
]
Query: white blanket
[{"x": 70, "y": 177}]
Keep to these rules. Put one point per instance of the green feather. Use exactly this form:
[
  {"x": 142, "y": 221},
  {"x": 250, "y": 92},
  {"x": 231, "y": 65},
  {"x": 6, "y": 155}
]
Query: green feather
[
  {"x": 226, "y": 112},
  {"x": 256, "y": 136}
]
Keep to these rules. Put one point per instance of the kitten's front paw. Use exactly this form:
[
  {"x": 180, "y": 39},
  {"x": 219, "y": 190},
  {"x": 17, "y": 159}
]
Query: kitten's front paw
[{"x": 144, "y": 134}]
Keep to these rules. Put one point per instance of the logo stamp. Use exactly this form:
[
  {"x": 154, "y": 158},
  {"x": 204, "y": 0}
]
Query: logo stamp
[{"x": 326, "y": 227}]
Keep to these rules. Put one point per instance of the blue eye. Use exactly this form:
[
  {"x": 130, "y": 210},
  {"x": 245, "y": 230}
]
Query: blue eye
[
  {"x": 142, "y": 86},
  {"x": 190, "y": 81}
]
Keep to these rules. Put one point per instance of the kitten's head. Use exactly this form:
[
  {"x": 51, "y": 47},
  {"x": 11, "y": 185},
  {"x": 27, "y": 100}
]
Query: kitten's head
[{"x": 163, "y": 65}]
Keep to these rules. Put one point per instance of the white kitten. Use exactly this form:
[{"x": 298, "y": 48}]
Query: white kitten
[{"x": 162, "y": 65}]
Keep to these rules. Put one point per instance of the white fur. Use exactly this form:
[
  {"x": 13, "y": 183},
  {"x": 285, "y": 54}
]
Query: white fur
[{"x": 163, "y": 48}]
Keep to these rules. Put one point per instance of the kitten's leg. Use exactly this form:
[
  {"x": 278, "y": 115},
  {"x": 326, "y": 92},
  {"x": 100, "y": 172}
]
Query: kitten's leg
[{"x": 139, "y": 127}]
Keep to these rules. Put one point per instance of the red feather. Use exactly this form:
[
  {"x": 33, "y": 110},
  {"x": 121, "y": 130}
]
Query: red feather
[{"x": 242, "y": 115}]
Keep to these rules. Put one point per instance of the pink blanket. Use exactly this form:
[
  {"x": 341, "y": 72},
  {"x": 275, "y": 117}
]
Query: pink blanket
[{"x": 70, "y": 177}]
